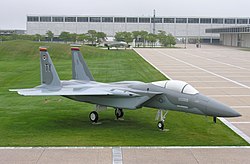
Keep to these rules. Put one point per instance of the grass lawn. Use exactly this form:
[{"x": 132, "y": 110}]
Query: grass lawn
[{"x": 32, "y": 121}]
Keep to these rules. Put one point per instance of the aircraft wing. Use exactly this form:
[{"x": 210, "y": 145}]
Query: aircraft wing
[{"x": 80, "y": 92}]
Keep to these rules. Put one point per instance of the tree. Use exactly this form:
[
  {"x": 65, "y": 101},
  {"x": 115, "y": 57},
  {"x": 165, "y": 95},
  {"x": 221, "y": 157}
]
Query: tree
[
  {"x": 163, "y": 38},
  {"x": 166, "y": 40},
  {"x": 100, "y": 36},
  {"x": 92, "y": 36},
  {"x": 143, "y": 35},
  {"x": 73, "y": 37},
  {"x": 171, "y": 40},
  {"x": 50, "y": 35},
  {"x": 124, "y": 36},
  {"x": 119, "y": 36},
  {"x": 38, "y": 37},
  {"x": 81, "y": 38},
  {"x": 136, "y": 36},
  {"x": 151, "y": 38},
  {"x": 64, "y": 36}
]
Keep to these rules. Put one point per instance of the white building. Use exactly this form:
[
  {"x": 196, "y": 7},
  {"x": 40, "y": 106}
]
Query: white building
[
  {"x": 233, "y": 36},
  {"x": 180, "y": 27}
]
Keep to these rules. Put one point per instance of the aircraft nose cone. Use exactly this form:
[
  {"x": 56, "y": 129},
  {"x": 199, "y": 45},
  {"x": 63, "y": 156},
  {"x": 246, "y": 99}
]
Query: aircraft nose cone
[{"x": 218, "y": 109}]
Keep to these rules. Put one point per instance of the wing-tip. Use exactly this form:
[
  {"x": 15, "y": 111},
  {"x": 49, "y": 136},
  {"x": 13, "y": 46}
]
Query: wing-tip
[{"x": 13, "y": 90}]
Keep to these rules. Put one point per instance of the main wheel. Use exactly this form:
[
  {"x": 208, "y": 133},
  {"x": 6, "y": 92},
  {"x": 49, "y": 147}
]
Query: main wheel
[
  {"x": 93, "y": 116},
  {"x": 119, "y": 113},
  {"x": 160, "y": 125}
]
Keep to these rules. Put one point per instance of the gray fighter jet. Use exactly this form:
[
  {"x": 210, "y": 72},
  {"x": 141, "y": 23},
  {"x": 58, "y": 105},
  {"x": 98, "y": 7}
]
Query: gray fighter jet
[
  {"x": 115, "y": 44},
  {"x": 162, "y": 95}
]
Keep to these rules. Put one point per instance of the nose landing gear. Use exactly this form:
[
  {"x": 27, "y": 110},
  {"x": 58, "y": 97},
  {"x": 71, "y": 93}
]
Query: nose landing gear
[{"x": 160, "y": 116}]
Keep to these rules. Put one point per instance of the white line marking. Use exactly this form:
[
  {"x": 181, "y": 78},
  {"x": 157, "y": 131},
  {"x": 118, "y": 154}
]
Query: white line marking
[
  {"x": 188, "y": 147},
  {"x": 240, "y": 122},
  {"x": 217, "y": 61},
  {"x": 117, "y": 155},
  {"x": 229, "y": 95},
  {"x": 217, "y": 87},
  {"x": 178, "y": 76},
  {"x": 212, "y": 73},
  {"x": 152, "y": 64},
  {"x": 193, "y": 75},
  {"x": 240, "y": 106},
  {"x": 212, "y": 81},
  {"x": 236, "y": 130}
]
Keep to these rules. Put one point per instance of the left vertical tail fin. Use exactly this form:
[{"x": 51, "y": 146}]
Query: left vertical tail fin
[{"x": 49, "y": 76}]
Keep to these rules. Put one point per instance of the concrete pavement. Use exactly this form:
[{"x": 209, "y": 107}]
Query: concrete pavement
[
  {"x": 129, "y": 155},
  {"x": 222, "y": 73}
]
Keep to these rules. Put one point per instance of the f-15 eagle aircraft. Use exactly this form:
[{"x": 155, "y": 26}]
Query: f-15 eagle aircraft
[
  {"x": 115, "y": 44},
  {"x": 162, "y": 95}
]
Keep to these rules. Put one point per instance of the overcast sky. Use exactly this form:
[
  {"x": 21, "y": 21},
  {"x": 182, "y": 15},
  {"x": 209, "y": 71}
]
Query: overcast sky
[{"x": 13, "y": 12}]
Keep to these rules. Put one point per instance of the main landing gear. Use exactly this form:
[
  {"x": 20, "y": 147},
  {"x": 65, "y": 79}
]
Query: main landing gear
[
  {"x": 160, "y": 116},
  {"x": 119, "y": 113},
  {"x": 94, "y": 116},
  {"x": 214, "y": 119}
]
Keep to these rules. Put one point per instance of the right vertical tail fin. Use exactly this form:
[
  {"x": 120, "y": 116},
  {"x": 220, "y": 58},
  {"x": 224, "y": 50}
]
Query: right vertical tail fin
[
  {"x": 80, "y": 70},
  {"x": 49, "y": 76}
]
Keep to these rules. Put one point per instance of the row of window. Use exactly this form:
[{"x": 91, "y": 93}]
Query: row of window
[
  {"x": 138, "y": 20},
  {"x": 229, "y": 30}
]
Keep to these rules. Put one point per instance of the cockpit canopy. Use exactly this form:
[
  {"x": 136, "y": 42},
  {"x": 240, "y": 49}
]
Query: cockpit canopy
[{"x": 178, "y": 86}]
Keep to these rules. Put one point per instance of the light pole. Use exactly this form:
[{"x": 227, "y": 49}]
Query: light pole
[{"x": 154, "y": 23}]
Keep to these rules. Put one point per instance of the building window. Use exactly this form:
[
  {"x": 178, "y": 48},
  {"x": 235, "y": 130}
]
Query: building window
[
  {"x": 205, "y": 20},
  {"x": 82, "y": 19},
  {"x": 132, "y": 20},
  {"x": 144, "y": 20},
  {"x": 156, "y": 20},
  {"x": 247, "y": 29},
  {"x": 95, "y": 19},
  {"x": 181, "y": 20},
  {"x": 32, "y": 19},
  {"x": 217, "y": 20},
  {"x": 168, "y": 20},
  {"x": 229, "y": 21},
  {"x": 193, "y": 20},
  {"x": 107, "y": 19},
  {"x": 70, "y": 19},
  {"x": 241, "y": 21},
  {"x": 120, "y": 19},
  {"x": 45, "y": 19},
  {"x": 57, "y": 19}
]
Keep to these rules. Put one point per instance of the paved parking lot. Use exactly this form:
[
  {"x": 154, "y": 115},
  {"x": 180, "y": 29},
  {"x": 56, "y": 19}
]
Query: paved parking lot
[{"x": 222, "y": 73}]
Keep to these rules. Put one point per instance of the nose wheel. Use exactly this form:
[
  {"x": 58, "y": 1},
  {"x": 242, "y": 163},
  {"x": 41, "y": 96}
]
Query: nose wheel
[
  {"x": 160, "y": 125},
  {"x": 160, "y": 116}
]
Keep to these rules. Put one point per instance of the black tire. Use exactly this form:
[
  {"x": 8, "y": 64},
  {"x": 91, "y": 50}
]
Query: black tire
[
  {"x": 119, "y": 113},
  {"x": 93, "y": 116},
  {"x": 160, "y": 125}
]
